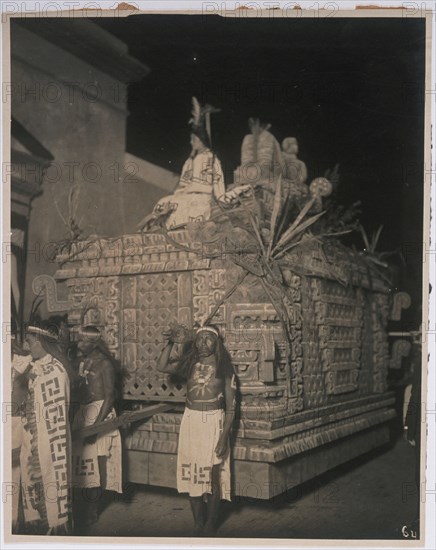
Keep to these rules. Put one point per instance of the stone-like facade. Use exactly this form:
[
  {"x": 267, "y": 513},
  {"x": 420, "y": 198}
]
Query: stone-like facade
[{"x": 329, "y": 398}]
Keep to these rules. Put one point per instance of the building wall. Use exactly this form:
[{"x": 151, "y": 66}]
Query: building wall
[
  {"x": 78, "y": 113},
  {"x": 144, "y": 184}
]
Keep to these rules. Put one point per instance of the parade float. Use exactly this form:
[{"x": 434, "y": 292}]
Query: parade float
[{"x": 303, "y": 316}]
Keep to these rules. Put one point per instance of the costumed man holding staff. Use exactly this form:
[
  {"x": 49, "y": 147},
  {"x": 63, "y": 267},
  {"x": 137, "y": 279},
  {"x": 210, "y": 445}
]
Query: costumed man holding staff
[
  {"x": 96, "y": 459},
  {"x": 203, "y": 461},
  {"x": 45, "y": 453}
]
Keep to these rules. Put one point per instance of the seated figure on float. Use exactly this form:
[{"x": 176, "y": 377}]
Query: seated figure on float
[
  {"x": 294, "y": 177},
  {"x": 294, "y": 170},
  {"x": 265, "y": 166},
  {"x": 261, "y": 162},
  {"x": 201, "y": 182}
]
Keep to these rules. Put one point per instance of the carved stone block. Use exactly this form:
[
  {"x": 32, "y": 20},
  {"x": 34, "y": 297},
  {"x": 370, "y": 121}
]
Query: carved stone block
[
  {"x": 400, "y": 349},
  {"x": 401, "y": 301},
  {"x": 45, "y": 284}
]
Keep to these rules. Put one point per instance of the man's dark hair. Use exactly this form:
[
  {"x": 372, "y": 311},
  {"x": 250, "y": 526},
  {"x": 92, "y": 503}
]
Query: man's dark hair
[
  {"x": 93, "y": 334},
  {"x": 190, "y": 357}
]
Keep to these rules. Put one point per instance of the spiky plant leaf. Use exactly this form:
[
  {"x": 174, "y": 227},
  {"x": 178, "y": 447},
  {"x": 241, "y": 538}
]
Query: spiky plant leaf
[
  {"x": 297, "y": 221},
  {"x": 296, "y": 231},
  {"x": 275, "y": 214},
  {"x": 376, "y": 238},
  {"x": 364, "y": 237},
  {"x": 285, "y": 237}
]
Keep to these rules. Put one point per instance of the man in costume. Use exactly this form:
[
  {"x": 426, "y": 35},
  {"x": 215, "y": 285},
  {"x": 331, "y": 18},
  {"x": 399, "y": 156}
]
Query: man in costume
[
  {"x": 96, "y": 459},
  {"x": 412, "y": 426},
  {"x": 21, "y": 366},
  {"x": 203, "y": 461},
  {"x": 45, "y": 440},
  {"x": 201, "y": 181}
]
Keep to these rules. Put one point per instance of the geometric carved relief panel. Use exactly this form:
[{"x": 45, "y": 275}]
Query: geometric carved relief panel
[
  {"x": 339, "y": 317},
  {"x": 152, "y": 300},
  {"x": 97, "y": 301}
]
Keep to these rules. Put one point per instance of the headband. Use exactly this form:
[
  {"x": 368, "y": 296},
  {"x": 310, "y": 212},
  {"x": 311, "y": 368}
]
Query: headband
[
  {"x": 31, "y": 329},
  {"x": 207, "y": 329},
  {"x": 88, "y": 330}
]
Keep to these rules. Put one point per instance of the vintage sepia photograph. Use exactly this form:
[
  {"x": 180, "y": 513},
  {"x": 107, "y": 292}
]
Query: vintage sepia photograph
[{"x": 215, "y": 249}]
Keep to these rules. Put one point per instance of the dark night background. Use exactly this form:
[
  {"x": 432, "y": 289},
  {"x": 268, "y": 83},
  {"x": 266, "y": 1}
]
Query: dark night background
[{"x": 351, "y": 91}]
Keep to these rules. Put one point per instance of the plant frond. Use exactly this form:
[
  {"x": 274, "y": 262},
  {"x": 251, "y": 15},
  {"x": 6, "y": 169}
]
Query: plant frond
[
  {"x": 293, "y": 232},
  {"x": 275, "y": 214},
  {"x": 295, "y": 223},
  {"x": 364, "y": 237},
  {"x": 376, "y": 238}
]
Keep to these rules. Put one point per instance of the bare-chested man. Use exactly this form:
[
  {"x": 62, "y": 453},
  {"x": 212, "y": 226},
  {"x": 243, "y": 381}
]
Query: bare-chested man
[
  {"x": 96, "y": 459},
  {"x": 203, "y": 461}
]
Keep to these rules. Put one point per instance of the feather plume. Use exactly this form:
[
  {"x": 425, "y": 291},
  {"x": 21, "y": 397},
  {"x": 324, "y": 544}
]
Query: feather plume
[
  {"x": 209, "y": 109},
  {"x": 196, "y": 112},
  {"x": 332, "y": 174},
  {"x": 36, "y": 303},
  {"x": 253, "y": 124},
  {"x": 256, "y": 127}
]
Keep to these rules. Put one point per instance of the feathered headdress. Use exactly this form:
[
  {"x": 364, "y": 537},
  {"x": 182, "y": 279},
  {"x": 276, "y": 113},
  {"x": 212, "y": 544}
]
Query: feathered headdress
[
  {"x": 257, "y": 127},
  {"x": 34, "y": 308},
  {"x": 200, "y": 121}
]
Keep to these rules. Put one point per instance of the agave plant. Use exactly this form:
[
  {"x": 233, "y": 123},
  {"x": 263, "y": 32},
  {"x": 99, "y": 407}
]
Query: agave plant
[
  {"x": 70, "y": 219},
  {"x": 371, "y": 256},
  {"x": 268, "y": 249},
  {"x": 75, "y": 233}
]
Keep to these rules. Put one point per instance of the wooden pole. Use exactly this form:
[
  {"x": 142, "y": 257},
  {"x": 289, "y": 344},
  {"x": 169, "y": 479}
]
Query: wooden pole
[
  {"x": 209, "y": 129},
  {"x": 121, "y": 421}
]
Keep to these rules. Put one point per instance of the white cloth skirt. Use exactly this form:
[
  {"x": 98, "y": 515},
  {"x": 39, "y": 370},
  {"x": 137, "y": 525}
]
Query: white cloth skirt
[
  {"x": 199, "y": 434},
  {"x": 85, "y": 455}
]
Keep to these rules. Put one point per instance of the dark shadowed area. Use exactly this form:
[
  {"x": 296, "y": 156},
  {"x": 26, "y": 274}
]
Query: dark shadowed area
[
  {"x": 332, "y": 506},
  {"x": 351, "y": 90}
]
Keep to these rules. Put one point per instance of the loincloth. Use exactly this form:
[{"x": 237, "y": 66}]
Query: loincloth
[
  {"x": 86, "y": 472},
  {"x": 199, "y": 434}
]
